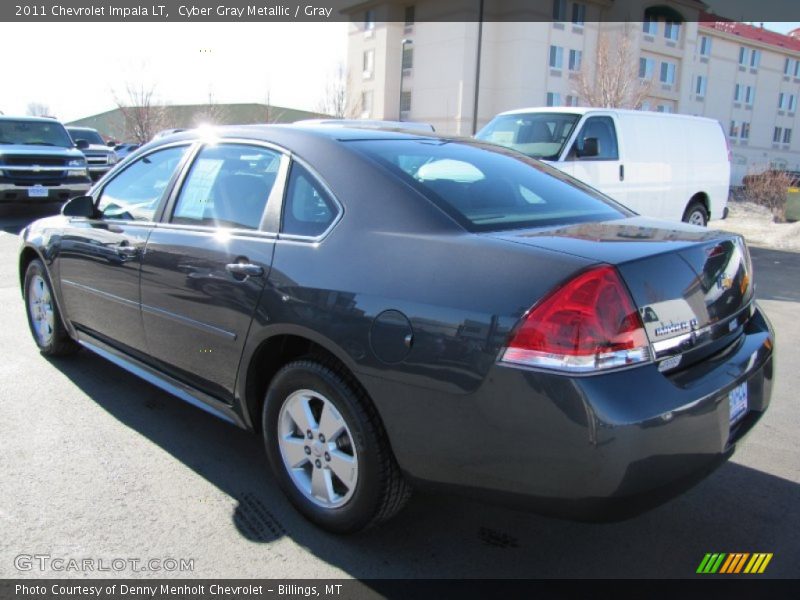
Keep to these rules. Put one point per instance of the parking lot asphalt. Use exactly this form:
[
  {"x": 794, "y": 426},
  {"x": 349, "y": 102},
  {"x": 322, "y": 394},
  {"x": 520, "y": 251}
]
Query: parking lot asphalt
[{"x": 98, "y": 464}]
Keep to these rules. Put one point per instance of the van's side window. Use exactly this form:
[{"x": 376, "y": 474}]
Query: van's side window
[{"x": 602, "y": 129}]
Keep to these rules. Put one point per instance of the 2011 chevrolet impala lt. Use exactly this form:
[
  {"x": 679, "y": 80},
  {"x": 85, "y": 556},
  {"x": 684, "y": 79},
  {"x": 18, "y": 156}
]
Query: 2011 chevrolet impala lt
[{"x": 393, "y": 309}]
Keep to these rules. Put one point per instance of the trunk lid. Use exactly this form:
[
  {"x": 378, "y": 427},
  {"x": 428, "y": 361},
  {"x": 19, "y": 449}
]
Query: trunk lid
[{"x": 693, "y": 287}]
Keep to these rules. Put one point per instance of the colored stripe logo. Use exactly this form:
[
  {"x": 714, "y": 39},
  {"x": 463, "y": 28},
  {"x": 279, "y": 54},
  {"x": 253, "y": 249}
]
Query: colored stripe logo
[{"x": 734, "y": 563}]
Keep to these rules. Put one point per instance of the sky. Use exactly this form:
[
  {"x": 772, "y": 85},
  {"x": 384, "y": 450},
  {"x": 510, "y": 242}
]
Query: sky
[
  {"x": 185, "y": 62},
  {"x": 234, "y": 62}
]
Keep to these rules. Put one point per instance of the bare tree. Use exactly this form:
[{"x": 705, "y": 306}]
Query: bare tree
[
  {"x": 212, "y": 113},
  {"x": 335, "y": 101},
  {"x": 38, "y": 109},
  {"x": 143, "y": 116},
  {"x": 613, "y": 80}
]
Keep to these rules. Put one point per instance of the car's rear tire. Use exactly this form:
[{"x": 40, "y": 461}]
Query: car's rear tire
[
  {"x": 328, "y": 448},
  {"x": 44, "y": 318},
  {"x": 696, "y": 214}
]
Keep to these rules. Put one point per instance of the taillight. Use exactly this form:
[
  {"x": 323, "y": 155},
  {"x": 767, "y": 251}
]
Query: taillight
[{"x": 588, "y": 324}]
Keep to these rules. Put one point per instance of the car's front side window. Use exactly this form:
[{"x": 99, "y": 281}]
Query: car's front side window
[
  {"x": 228, "y": 186},
  {"x": 134, "y": 194}
]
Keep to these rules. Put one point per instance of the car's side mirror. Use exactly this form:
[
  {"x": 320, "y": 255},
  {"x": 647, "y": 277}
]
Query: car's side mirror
[
  {"x": 81, "y": 144},
  {"x": 591, "y": 147},
  {"x": 80, "y": 206}
]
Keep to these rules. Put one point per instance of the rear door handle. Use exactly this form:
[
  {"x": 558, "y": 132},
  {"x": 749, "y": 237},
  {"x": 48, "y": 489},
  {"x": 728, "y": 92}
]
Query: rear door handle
[{"x": 244, "y": 269}]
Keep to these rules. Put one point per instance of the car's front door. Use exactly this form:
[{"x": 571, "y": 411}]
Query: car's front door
[
  {"x": 100, "y": 258},
  {"x": 207, "y": 263}
]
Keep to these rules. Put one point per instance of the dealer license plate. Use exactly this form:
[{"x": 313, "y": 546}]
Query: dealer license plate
[
  {"x": 37, "y": 191},
  {"x": 737, "y": 401}
]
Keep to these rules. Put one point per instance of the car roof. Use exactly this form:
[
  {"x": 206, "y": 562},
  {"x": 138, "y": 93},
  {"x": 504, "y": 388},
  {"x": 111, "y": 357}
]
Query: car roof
[
  {"x": 295, "y": 133},
  {"x": 80, "y": 128},
  {"x": 26, "y": 118}
]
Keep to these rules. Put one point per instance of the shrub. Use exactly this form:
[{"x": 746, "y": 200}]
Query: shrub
[{"x": 769, "y": 188}]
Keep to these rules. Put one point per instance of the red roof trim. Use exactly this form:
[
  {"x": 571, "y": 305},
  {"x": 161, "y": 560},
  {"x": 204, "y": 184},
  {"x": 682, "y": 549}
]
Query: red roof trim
[{"x": 748, "y": 32}]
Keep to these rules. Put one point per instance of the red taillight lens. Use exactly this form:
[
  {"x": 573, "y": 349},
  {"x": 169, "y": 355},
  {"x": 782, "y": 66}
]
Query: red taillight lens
[{"x": 588, "y": 324}]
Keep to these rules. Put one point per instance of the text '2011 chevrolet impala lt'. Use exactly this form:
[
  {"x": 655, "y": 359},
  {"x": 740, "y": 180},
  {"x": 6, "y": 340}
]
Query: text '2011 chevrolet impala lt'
[{"x": 395, "y": 309}]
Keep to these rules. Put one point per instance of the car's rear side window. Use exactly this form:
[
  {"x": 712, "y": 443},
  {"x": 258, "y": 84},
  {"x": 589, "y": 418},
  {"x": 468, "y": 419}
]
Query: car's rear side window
[
  {"x": 308, "y": 210},
  {"x": 228, "y": 186},
  {"x": 487, "y": 188}
]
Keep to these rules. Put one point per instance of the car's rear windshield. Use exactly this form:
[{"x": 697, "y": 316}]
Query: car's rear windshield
[
  {"x": 538, "y": 135},
  {"x": 34, "y": 133},
  {"x": 487, "y": 188},
  {"x": 90, "y": 135}
]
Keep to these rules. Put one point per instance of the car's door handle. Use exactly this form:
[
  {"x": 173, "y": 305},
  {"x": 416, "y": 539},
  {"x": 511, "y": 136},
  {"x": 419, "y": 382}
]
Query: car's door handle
[
  {"x": 622, "y": 172},
  {"x": 126, "y": 251},
  {"x": 244, "y": 269}
]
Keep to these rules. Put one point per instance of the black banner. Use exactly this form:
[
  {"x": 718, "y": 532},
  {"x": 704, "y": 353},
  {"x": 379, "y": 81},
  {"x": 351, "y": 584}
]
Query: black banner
[
  {"x": 381, "y": 10},
  {"x": 354, "y": 589}
]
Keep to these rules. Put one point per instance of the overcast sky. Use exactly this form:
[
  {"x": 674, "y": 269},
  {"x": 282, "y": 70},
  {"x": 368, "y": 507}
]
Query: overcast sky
[{"x": 75, "y": 68}]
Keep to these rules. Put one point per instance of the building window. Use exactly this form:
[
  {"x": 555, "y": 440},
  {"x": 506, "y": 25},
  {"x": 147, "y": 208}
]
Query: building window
[
  {"x": 559, "y": 10},
  {"x": 369, "y": 21},
  {"x": 782, "y": 101},
  {"x": 755, "y": 58},
  {"x": 578, "y": 13},
  {"x": 556, "y": 57},
  {"x": 776, "y": 135},
  {"x": 700, "y": 85},
  {"x": 667, "y": 73},
  {"x": 366, "y": 104},
  {"x": 369, "y": 64},
  {"x": 408, "y": 57},
  {"x": 749, "y": 94},
  {"x": 410, "y": 16},
  {"x": 575, "y": 60},
  {"x": 571, "y": 101},
  {"x": 734, "y": 130},
  {"x": 789, "y": 66},
  {"x": 645, "y": 105},
  {"x": 650, "y": 26},
  {"x": 745, "y": 132},
  {"x": 405, "y": 101},
  {"x": 664, "y": 108},
  {"x": 737, "y": 93},
  {"x": 553, "y": 99},
  {"x": 646, "y": 68},
  {"x": 792, "y": 103},
  {"x": 744, "y": 54},
  {"x": 672, "y": 31},
  {"x": 705, "y": 45},
  {"x": 787, "y": 136}
]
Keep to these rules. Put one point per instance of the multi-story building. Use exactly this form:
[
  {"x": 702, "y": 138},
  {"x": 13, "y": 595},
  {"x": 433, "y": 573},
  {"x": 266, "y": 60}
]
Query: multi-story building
[{"x": 423, "y": 60}]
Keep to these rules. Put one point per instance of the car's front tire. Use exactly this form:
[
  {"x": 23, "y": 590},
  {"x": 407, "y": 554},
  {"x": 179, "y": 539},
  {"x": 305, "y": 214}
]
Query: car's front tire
[
  {"x": 328, "y": 448},
  {"x": 44, "y": 318}
]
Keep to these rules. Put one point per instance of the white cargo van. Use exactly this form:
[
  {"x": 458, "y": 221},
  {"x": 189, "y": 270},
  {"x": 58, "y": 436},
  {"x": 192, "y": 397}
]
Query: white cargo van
[{"x": 660, "y": 165}]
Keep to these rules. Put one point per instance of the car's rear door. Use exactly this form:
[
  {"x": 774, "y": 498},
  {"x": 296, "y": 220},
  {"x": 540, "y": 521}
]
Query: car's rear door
[
  {"x": 100, "y": 258},
  {"x": 207, "y": 262}
]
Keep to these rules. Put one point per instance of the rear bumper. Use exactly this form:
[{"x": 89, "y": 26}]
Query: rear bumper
[
  {"x": 598, "y": 447},
  {"x": 10, "y": 192}
]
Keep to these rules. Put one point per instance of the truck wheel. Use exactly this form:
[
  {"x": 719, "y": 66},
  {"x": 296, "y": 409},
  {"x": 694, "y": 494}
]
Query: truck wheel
[
  {"x": 696, "y": 214},
  {"x": 328, "y": 448},
  {"x": 44, "y": 319}
]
